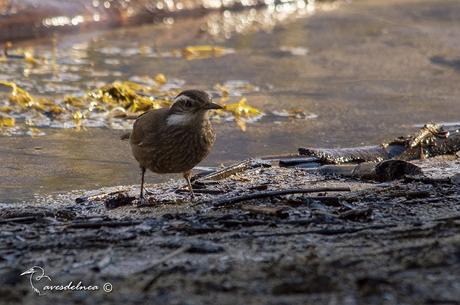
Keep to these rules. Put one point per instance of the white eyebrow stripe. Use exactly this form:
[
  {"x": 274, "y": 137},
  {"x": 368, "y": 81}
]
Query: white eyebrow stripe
[{"x": 182, "y": 98}]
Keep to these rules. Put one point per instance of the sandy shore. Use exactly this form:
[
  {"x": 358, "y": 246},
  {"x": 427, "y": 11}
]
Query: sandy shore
[{"x": 380, "y": 243}]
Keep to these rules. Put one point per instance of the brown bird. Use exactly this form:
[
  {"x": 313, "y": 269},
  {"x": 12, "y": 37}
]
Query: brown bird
[{"x": 175, "y": 139}]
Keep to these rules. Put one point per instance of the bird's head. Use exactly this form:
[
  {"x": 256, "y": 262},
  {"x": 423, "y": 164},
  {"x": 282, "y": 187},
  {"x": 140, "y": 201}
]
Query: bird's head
[
  {"x": 32, "y": 270},
  {"x": 190, "y": 105}
]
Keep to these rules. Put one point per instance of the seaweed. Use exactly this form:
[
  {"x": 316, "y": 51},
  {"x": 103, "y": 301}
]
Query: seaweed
[{"x": 114, "y": 103}]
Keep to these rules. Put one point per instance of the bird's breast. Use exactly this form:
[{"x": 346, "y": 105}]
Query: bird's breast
[{"x": 177, "y": 149}]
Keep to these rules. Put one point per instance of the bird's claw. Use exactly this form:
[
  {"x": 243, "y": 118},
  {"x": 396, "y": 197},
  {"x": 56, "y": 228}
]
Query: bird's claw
[
  {"x": 141, "y": 202},
  {"x": 147, "y": 192}
]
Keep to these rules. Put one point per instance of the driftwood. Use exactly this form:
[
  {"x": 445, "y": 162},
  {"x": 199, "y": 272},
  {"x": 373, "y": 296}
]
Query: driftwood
[
  {"x": 298, "y": 160},
  {"x": 346, "y": 155},
  {"x": 388, "y": 170},
  {"x": 232, "y": 170},
  {"x": 327, "y": 231},
  {"x": 221, "y": 202},
  {"x": 430, "y": 141},
  {"x": 104, "y": 223},
  {"x": 19, "y": 219}
]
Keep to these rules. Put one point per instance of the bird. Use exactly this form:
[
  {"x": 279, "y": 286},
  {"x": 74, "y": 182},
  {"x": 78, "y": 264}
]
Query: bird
[
  {"x": 174, "y": 139},
  {"x": 36, "y": 274}
]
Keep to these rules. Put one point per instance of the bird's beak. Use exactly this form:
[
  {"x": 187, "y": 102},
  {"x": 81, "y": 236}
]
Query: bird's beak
[
  {"x": 213, "y": 106},
  {"x": 30, "y": 271}
]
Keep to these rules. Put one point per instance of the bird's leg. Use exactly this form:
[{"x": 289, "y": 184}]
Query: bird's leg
[
  {"x": 141, "y": 196},
  {"x": 187, "y": 176}
]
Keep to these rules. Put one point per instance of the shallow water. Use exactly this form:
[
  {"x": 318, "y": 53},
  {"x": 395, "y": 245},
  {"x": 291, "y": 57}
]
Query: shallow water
[{"x": 369, "y": 71}]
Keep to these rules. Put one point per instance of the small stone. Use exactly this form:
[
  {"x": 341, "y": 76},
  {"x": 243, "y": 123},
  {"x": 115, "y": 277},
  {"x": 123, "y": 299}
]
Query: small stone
[{"x": 455, "y": 179}]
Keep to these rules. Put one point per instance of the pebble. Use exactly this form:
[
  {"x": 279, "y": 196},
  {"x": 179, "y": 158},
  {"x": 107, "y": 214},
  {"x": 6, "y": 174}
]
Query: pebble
[{"x": 455, "y": 179}]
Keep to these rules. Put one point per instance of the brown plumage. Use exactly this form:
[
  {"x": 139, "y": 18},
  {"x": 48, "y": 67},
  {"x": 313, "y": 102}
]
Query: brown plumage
[{"x": 174, "y": 140}]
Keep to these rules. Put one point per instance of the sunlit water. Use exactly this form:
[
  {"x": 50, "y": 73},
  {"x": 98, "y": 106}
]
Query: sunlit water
[{"x": 361, "y": 72}]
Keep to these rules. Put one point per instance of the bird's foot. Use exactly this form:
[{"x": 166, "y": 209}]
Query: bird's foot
[
  {"x": 192, "y": 196},
  {"x": 147, "y": 192},
  {"x": 141, "y": 202}
]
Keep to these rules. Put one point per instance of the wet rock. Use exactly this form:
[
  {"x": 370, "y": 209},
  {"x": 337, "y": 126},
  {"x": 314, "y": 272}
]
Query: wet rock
[
  {"x": 387, "y": 170},
  {"x": 455, "y": 179},
  {"x": 395, "y": 169}
]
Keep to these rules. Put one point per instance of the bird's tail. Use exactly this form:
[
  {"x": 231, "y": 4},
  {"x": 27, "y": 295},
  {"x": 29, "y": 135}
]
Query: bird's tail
[{"x": 125, "y": 136}]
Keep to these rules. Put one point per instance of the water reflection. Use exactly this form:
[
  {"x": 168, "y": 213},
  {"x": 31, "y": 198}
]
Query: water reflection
[
  {"x": 26, "y": 18},
  {"x": 72, "y": 70}
]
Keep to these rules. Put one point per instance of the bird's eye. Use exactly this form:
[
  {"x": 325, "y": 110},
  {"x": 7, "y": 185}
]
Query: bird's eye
[{"x": 188, "y": 103}]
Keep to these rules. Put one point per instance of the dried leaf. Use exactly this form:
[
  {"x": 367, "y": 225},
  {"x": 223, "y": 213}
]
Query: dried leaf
[
  {"x": 7, "y": 121},
  {"x": 29, "y": 58},
  {"x": 242, "y": 109},
  {"x": 6, "y": 109},
  {"x": 160, "y": 79},
  {"x": 74, "y": 101}
]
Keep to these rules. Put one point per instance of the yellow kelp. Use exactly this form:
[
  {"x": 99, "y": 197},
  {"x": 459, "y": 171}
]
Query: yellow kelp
[
  {"x": 110, "y": 104},
  {"x": 131, "y": 96},
  {"x": 241, "y": 108},
  {"x": 204, "y": 51},
  {"x": 24, "y": 100},
  {"x": 7, "y": 121},
  {"x": 241, "y": 111}
]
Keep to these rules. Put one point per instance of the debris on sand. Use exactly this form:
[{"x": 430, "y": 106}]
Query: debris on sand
[{"x": 294, "y": 232}]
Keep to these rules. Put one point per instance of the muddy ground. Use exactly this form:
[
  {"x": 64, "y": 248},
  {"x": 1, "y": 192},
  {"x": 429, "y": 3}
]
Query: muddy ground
[{"x": 380, "y": 243}]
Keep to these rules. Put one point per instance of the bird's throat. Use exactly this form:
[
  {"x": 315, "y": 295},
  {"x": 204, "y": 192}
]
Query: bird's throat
[{"x": 184, "y": 119}]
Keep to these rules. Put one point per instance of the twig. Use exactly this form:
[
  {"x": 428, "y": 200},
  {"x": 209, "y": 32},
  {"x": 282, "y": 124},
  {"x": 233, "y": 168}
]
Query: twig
[
  {"x": 327, "y": 231},
  {"x": 19, "y": 219},
  {"x": 232, "y": 200},
  {"x": 200, "y": 191},
  {"x": 165, "y": 258},
  {"x": 98, "y": 224},
  {"x": 455, "y": 217},
  {"x": 98, "y": 197},
  {"x": 326, "y": 200},
  {"x": 297, "y": 161}
]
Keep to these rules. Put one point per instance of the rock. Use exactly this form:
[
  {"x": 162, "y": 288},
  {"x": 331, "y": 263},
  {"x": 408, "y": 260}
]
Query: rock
[
  {"x": 395, "y": 169},
  {"x": 455, "y": 179}
]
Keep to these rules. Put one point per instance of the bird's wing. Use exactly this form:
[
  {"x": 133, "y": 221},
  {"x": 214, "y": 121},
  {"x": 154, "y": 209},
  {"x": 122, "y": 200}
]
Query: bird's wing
[
  {"x": 125, "y": 136},
  {"x": 148, "y": 127}
]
